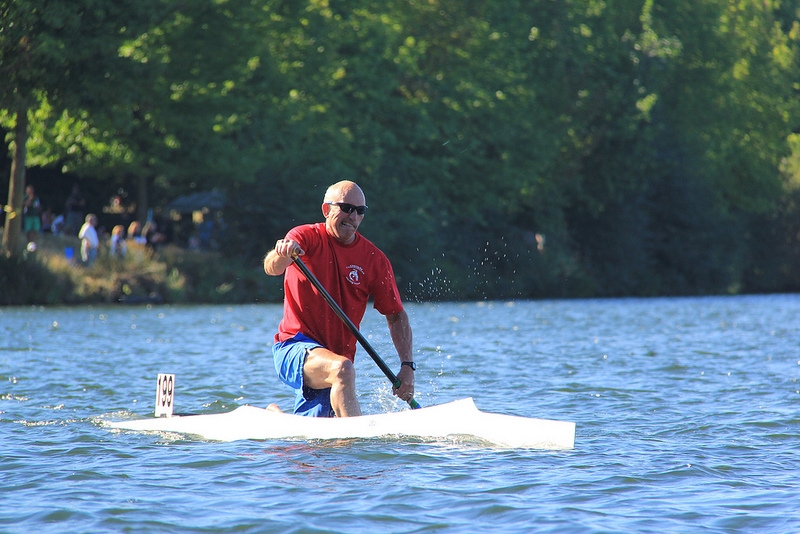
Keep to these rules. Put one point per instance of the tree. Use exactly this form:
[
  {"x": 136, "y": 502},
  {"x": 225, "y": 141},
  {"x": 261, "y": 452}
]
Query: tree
[{"x": 59, "y": 54}]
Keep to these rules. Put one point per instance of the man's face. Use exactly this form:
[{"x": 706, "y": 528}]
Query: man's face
[{"x": 340, "y": 225}]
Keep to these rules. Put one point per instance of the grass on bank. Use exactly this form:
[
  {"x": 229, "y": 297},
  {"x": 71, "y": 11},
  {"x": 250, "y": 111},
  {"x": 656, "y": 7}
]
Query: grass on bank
[{"x": 172, "y": 275}]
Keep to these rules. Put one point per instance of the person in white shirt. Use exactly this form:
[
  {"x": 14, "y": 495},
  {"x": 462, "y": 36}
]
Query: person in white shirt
[{"x": 89, "y": 240}]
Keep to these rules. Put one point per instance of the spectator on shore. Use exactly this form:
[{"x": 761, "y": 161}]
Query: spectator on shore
[
  {"x": 31, "y": 214},
  {"x": 74, "y": 210},
  {"x": 47, "y": 220},
  {"x": 57, "y": 225},
  {"x": 135, "y": 233},
  {"x": 118, "y": 247},
  {"x": 89, "y": 240},
  {"x": 153, "y": 235}
]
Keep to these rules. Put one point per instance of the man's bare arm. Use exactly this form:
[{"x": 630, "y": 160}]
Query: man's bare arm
[
  {"x": 400, "y": 330},
  {"x": 278, "y": 259}
]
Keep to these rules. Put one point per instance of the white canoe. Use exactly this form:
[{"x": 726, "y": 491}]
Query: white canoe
[{"x": 455, "y": 419}]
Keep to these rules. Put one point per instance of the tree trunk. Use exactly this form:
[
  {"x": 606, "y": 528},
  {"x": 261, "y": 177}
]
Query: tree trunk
[{"x": 16, "y": 186}]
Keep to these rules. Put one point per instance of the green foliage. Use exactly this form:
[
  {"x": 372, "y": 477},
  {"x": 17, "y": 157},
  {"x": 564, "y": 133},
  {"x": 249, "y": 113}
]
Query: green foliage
[
  {"x": 172, "y": 275},
  {"x": 773, "y": 248},
  {"x": 735, "y": 105},
  {"x": 471, "y": 133},
  {"x": 207, "y": 277},
  {"x": 507, "y": 150},
  {"x": 26, "y": 280}
]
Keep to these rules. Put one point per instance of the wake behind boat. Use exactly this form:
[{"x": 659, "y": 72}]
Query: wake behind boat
[{"x": 457, "y": 419}]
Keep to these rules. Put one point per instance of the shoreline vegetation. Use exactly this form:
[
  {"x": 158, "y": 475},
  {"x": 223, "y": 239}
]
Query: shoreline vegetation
[
  {"x": 508, "y": 150},
  {"x": 52, "y": 274}
]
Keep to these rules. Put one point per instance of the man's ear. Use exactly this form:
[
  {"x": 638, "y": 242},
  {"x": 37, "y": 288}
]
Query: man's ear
[{"x": 326, "y": 209}]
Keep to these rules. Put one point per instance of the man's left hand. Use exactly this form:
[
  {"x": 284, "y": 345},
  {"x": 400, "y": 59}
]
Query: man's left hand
[{"x": 406, "y": 389}]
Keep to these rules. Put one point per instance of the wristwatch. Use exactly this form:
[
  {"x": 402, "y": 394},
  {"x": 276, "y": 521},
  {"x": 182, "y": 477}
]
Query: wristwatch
[{"x": 410, "y": 364}]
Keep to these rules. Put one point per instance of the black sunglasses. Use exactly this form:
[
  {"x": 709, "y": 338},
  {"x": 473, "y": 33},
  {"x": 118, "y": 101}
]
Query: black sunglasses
[{"x": 349, "y": 208}]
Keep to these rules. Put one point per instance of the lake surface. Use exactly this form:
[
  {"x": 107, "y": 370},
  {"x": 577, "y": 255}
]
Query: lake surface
[{"x": 687, "y": 412}]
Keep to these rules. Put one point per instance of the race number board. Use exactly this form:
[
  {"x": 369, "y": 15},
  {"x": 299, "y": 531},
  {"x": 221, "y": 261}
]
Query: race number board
[{"x": 165, "y": 395}]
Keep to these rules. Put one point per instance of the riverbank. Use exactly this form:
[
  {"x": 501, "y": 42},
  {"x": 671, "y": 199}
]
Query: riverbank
[{"x": 52, "y": 274}]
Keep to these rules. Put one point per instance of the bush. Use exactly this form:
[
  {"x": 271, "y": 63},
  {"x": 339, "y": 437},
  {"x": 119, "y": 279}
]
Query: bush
[
  {"x": 49, "y": 276},
  {"x": 25, "y": 279}
]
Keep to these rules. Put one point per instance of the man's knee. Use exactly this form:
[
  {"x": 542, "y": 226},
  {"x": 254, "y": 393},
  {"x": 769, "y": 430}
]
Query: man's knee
[
  {"x": 343, "y": 371},
  {"x": 324, "y": 369}
]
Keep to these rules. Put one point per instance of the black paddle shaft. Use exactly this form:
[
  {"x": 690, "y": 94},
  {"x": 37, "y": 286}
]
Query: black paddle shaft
[{"x": 353, "y": 328}]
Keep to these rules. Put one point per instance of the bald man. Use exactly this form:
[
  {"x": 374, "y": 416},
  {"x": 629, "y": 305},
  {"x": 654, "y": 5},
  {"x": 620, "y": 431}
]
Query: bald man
[{"x": 314, "y": 350}]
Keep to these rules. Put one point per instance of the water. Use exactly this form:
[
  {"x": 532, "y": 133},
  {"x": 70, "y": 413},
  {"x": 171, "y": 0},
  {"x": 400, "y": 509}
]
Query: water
[{"x": 686, "y": 411}]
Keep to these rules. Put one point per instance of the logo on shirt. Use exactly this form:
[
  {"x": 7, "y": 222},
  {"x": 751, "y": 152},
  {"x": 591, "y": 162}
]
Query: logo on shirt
[{"x": 354, "y": 274}]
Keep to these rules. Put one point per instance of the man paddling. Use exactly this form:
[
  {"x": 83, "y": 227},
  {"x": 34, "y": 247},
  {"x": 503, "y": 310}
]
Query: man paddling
[{"x": 314, "y": 350}]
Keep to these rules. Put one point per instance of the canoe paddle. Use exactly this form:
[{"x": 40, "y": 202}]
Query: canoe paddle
[{"x": 353, "y": 328}]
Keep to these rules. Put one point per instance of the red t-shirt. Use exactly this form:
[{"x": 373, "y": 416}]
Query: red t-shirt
[{"x": 350, "y": 273}]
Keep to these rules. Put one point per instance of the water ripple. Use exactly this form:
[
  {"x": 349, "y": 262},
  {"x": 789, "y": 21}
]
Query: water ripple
[{"x": 686, "y": 412}]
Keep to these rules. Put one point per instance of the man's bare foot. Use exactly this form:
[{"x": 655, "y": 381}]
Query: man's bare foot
[{"x": 274, "y": 408}]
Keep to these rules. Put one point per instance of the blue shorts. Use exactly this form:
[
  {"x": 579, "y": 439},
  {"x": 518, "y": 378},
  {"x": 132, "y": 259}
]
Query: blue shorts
[{"x": 289, "y": 357}]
